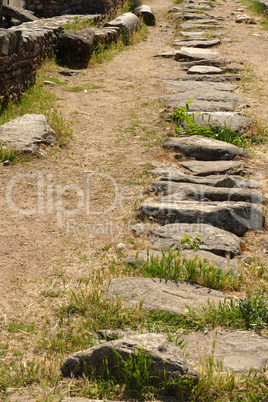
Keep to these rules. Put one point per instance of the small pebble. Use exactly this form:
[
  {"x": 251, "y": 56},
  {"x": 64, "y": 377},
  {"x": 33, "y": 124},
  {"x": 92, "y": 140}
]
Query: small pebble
[
  {"x": 121, "y": 246},
  {"x": 138, "y": 229}
]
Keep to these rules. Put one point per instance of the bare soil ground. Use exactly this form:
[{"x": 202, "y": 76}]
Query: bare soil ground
[{"x": 84, "y": 196}]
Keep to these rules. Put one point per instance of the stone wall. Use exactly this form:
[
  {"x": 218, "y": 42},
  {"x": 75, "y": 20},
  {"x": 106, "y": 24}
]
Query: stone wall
[
  {"x": 1, "y": 2},
  {"x": 22, "y": 50},
  {"x": 50, "y": 8},
  {"x": 20, "y": 54}
]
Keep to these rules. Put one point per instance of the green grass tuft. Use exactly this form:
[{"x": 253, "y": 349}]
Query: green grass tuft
[
  {"x": 186, "y": 126},
  {"x": 173, "y": 267}
]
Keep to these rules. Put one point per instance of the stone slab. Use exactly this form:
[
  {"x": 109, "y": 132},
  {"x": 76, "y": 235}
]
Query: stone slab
[
  {"x": 17, "y": 13},
  {"x": 195, "y": 54},
  {"x": 215, "y": 101},
  {"x": 196, "y": 16},
  {"x": 200, "y": 168},
  {"x": 191, "y": 34},
  {"x": 199, "y": 24},
  {"x": 170, "y": 173},
  {"x": 245, "y": 18},
  {"x": 212, "y": 239},
  {"x": 234, "y": 120},
  {"x": 201, "y": 192},
  {"x": 234, "y": 217},
  {"x": 202, "y": 43},
  {"x": 204, "y": 148},
  {"x": 166, "y": 358},
  {"x": 198, "y": 87},
  {"x": 135, "y": 259},
  {"x": 194, "y": 7},
  {"x": 204, "y": 77},
  {"x": 204, "y": 70},
  {"x": 162, "y": 295},
  {"x": 27, "y": 133},
  {"x": 238, "y": 351}
]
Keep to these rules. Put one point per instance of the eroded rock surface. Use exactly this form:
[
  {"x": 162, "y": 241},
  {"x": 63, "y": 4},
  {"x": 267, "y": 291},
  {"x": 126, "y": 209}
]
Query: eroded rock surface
[
  {"x": 200, "y": 192},
  {"x": 234, "y": 217},
  {"x": 166, "y": 358},
  {"x": 204, "y": 168},
  {"x": 238, "y": 350},
  {"x": 204, "y": 148},
  {"x": 212, "y": 239},
  {"x": 27, "y": 133},
  {"x": 162, "y": 295}
]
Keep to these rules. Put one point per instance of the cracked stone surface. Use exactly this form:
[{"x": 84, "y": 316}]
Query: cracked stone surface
[
  {"x": 162, "y": 295},
  {"x": 234, "y": 217},
  {"x": 212, "y": 239},
  {"x": 204, "y": 148},
  {"x": 205, "y": 168}
]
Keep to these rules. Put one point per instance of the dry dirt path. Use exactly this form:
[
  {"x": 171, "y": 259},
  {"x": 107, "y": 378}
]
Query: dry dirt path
[{"x": 116, "y": 127}]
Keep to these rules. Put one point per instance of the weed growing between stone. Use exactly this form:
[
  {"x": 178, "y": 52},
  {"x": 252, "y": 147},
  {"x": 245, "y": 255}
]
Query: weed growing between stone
[
  {"x": 174, "y": 267},
  {"x": 79, "y": 24},
  {"x": 87, "y": 310},
  {"x": 186, "y": 126},
  {"x": 7, "y": 154}
]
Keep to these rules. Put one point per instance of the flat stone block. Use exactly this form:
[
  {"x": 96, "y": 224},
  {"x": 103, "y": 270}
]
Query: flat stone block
[
  {"x": 212, "y": 239},
  {"x": 204, "y": 148},
  {"x": 234, "y": 217}
]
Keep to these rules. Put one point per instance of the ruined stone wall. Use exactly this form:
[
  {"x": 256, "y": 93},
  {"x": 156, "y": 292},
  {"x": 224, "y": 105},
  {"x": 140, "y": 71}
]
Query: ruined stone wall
[
  {"x": 24, "y": 47},
  {"x": 21, "y": 52},
  {"x": 50, "y": 8}
]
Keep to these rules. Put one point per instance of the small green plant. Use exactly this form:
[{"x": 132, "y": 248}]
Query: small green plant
[
  {"x": 129, "y": 6},
  {"x": 191, "y": 242},
  {"x": 185, "y": 125},
  {"x": 172, "y": 266},
  {"x": 254, "y": 310},
  {"x": 7, "y": 154},
  {"x": 79, "y": 24}
]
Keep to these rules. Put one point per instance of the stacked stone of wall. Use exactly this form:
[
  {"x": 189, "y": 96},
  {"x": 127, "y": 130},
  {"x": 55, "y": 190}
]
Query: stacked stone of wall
[
  {"x": 22, "y": 50},
  {"x": 50, "y": 8}
]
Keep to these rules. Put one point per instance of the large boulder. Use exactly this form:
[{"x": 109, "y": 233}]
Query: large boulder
[
  {"x": 204, "y": 148},
  {"x": 76, "y": 45},
  {"x": 166, "y": 358},
  {"x": 27, "y": 133}
]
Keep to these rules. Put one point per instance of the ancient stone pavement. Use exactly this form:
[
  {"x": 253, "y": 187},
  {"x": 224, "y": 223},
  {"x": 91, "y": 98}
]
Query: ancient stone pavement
[{"x": 211, "y": 194}]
